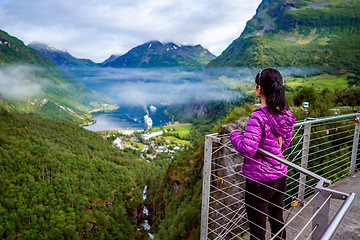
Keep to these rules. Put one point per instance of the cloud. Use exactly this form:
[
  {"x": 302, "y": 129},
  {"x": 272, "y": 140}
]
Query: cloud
[
  {"x": 19, "y": 82},
  {"x": 143, "y": 87},
  {"x": 96, "y": 29}
]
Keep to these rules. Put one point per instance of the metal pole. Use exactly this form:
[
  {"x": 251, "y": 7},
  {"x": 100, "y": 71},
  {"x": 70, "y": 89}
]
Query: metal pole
[
  {"x": 320, "y": 221},
  {"x": 293, "y": 166},
  {"x": 339, "y": 217},
  {"x": 206, "y": 188},
  {"x": 317, "y": 120},
  {"x": 355, "y": 146},
  {"x": 304, "y": 159}
]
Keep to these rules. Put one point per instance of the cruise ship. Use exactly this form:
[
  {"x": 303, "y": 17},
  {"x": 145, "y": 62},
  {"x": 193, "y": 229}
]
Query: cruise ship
[{"x": 148, "y": 121}]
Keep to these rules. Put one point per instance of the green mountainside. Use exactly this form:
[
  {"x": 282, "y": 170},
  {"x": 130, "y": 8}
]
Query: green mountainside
[
  {"x": 305, "y": 33},
  {"x": 157, "y": 54},
  {"x": 12, "y": 50},
  {"x": 61, "y": 181},
  {"x": 176, "y": 194},
  {"x": 31, "y": 82},
  {"x": 61, "y": 57}
]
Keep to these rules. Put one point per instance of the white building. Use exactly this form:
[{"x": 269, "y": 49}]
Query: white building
[
  {"x": 118, "y": 143},
  {"x": 151, "y": 135},
  {"x": 126, "y": 132}
]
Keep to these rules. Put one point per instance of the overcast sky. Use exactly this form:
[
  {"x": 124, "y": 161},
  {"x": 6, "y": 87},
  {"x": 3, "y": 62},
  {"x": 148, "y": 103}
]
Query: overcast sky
[{"x": 95, "y": 29}]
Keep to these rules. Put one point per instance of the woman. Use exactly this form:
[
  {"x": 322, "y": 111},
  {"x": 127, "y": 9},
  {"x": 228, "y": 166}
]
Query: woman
[{"x": 270, "y": 128}]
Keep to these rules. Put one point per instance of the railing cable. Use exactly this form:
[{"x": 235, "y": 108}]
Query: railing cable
[
  {"x": 226, "y": 207},
  {"x": 314, "y": 215},
  {"x": 295, "y": 215}
]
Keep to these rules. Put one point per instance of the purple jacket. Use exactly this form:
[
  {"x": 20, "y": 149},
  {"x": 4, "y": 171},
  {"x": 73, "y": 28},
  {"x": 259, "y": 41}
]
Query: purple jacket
[{"x": 263, "y": 130}]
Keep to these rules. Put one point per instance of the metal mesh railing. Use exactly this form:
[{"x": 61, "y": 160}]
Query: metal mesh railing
[{"x": 324, "y": 148}]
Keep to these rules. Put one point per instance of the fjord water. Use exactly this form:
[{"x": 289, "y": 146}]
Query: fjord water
[
  {"x": 135, "y": 90},
  {"x": 127, "y": 117}
]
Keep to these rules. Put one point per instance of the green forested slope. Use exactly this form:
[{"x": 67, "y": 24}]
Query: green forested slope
[
  {"x": 31, "y": 82},
  {"x": 176, "y": 193},
  {"x": 323, "y": 34},
  {"x": 60, "y": 181}
]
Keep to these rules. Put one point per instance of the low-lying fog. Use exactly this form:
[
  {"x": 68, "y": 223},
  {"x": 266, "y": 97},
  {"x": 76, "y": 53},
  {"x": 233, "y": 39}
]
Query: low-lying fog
[
  {"x": 145, "y": 86},
  {"x": 139, "y": 86}
]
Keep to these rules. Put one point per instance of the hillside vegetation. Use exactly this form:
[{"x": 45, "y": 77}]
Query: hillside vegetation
[
  {"x": 176, "y": 193},
  {"x": 307, "y": 33},
  {"x": 60, "y": 181},
  {"x": 31, "y": 82}
]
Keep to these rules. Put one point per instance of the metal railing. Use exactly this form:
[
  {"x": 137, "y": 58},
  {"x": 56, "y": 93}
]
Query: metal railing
[{"x": 322, "y": 151}]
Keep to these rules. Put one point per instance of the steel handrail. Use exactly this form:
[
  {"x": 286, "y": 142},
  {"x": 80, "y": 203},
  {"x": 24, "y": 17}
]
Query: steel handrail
[
  {"x": 294, "y": 166},
  {"x": 321, "y": 228},
  {"x": 340, "y": 215},
  {"x": 316, "y": 120},
  {"x": 338, "y": 218}
]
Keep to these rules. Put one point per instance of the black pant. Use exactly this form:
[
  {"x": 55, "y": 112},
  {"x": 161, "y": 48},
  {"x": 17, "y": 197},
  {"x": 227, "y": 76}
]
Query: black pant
[{"x": 262, "y": 201}]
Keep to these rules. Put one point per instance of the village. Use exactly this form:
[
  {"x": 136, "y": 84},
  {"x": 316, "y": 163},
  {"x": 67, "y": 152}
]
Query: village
[{"x": 159, "y": 142}]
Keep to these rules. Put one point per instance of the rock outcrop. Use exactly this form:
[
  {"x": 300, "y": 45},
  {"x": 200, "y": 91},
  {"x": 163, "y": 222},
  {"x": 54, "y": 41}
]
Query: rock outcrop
[{"x": 228, "y": 184}]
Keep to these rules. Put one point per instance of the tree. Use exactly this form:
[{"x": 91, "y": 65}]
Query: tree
[
  {"x": 349, "y": 96},
  {"x": 305, "y": 94}
]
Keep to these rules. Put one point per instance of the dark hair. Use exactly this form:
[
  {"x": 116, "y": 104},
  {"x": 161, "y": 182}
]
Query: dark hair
[{"x": 271, "y": 82}]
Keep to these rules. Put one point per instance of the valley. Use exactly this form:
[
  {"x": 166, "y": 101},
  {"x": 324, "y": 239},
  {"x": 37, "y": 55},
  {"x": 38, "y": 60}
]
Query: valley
[{"x": 78, "y": 160}]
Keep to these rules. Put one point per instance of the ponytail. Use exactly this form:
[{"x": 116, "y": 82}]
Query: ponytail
[{"x": 271, "y": 82}]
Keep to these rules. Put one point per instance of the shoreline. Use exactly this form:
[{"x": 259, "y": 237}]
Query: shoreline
[
  {"x": 165, "y": 120},
  {"x": 112, "y": 108},
  {"x": 98, "y": 110},
  {"x": 141, "y": 129},
  {"x": 169, "y": 115}
]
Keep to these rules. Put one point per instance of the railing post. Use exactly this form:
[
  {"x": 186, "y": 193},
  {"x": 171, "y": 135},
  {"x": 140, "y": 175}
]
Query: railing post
[
  {"x": 304, "y": 159},
  {"x": 355, "y": 146},
  {"x": 206, "y": 187},
  {"x": 321, "y": 220}
]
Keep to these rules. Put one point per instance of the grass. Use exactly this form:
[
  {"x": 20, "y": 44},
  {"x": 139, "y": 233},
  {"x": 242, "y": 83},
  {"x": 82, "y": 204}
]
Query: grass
[
  {"x": 182, "y": 129},
  {"x": 140, "y": 146},
  {"x": 176, "y": 140},
  {"x": 320, "y": 81},
  {"x": 324, "y": 37},
  {"x": 107, "y": 132}
]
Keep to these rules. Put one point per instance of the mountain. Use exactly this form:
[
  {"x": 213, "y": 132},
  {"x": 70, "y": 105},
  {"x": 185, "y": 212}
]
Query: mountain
[
  {"x": 31, "y": 82},
  {"x": 157, "y": 54},
  {"x": 61, "y": 57},
  {"x": 304, "y": 33},
  {"x": 110, "y": 59}
]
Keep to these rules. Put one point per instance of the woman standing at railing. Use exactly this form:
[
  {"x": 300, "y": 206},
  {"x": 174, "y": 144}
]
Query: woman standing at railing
[{"x": 270, "y": 128}]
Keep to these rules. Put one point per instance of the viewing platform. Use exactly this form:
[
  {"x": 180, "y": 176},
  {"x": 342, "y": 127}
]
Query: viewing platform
[
  {"x": 322, "y": 199},
  {"x": 350, "y": 227}
]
